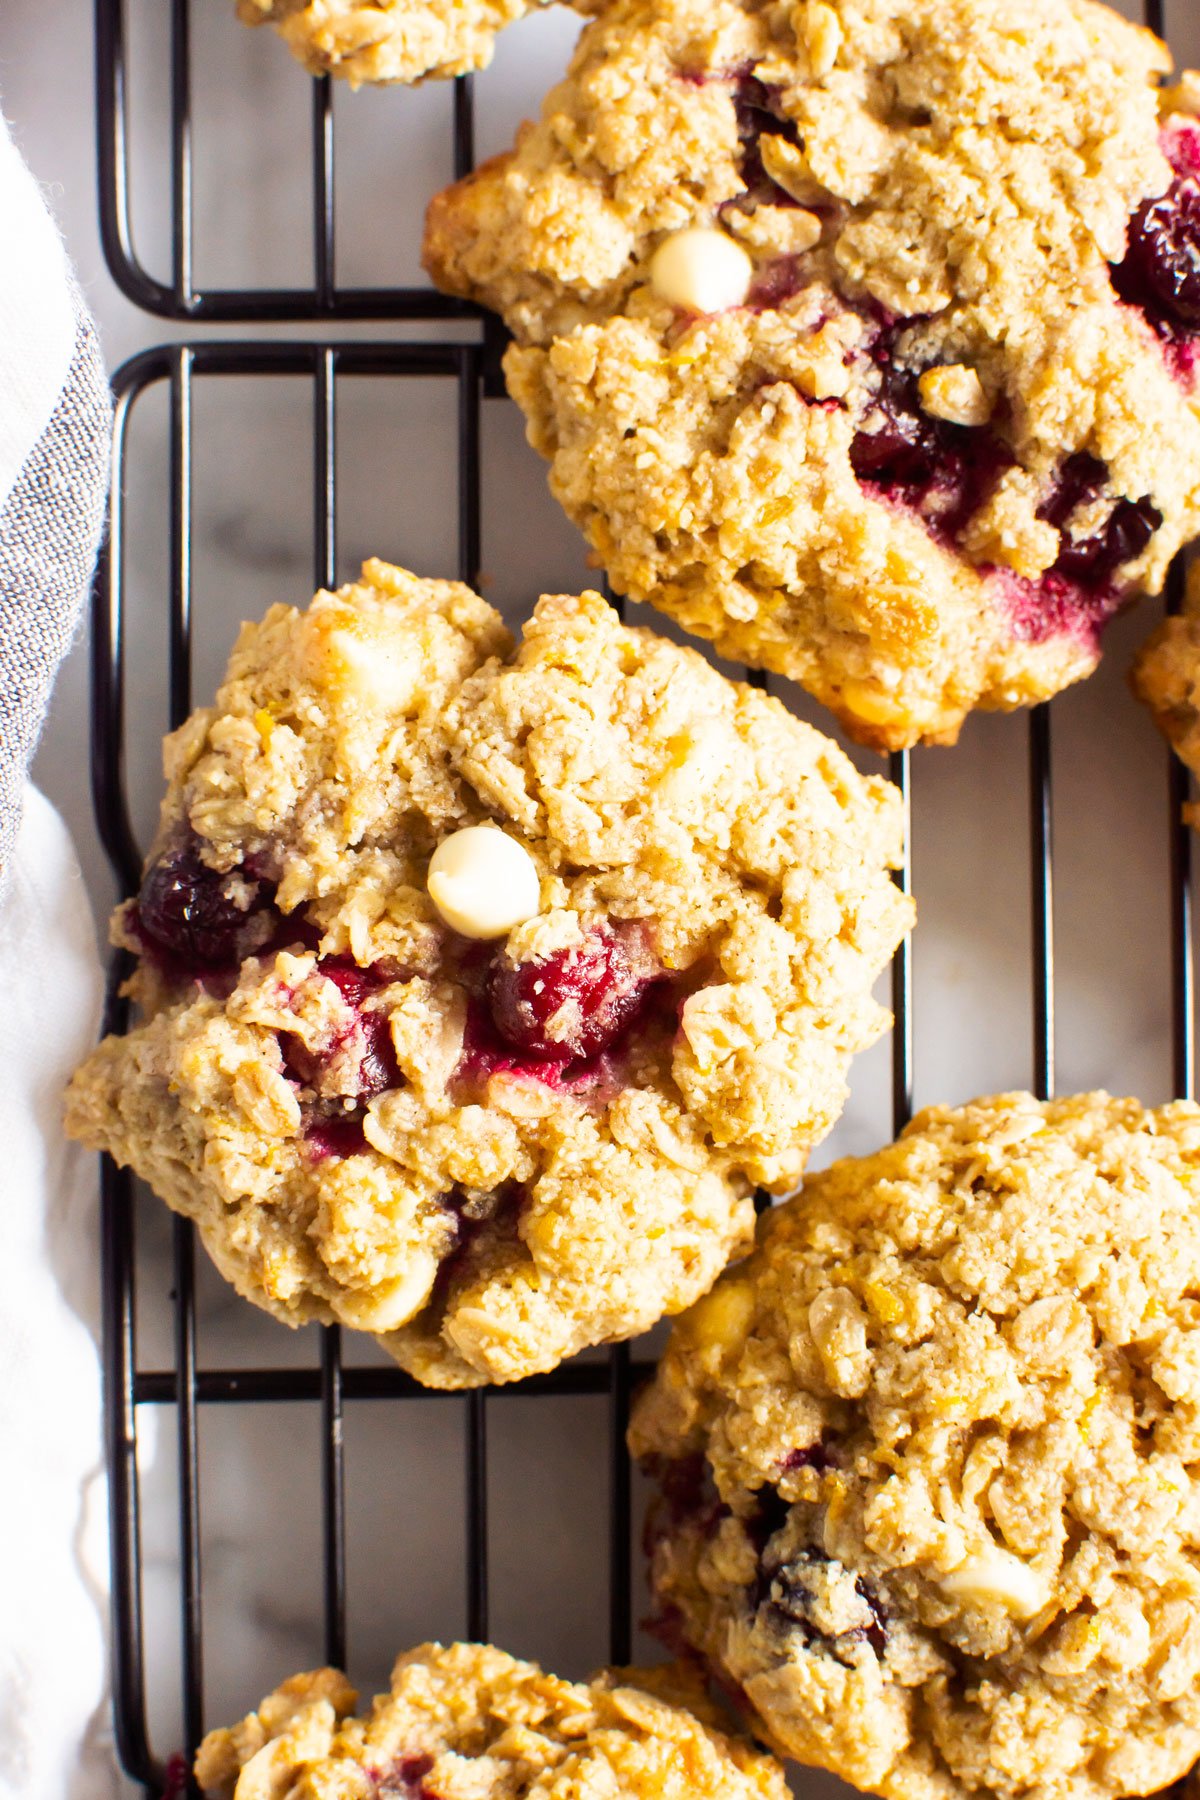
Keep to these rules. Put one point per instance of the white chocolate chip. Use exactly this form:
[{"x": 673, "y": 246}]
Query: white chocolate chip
[
  {"x": 996, "y": 1577},
  {"x": 373, "y": 667},
  {"x": 838, "y": 1326},
  {"x": 701, "y": 270},
  {"x": 483, "y": 882},
  {"x": 721, "y": 1321},
  {"x": 956, "y": 394}
]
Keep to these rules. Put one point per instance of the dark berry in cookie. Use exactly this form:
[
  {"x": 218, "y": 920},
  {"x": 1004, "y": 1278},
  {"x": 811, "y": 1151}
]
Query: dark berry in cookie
[
  {"x": 357, "y": 1060},
  {"x": 578, "y": 1001},
  {"x": 195, "y": 914},
  {"x": 760, "y": 114},
  {"x": 1161, "y": 270}
]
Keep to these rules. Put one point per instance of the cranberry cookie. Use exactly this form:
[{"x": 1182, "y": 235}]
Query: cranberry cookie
[
  {"x": 470, "y": 1723},
  {"x": 862, "y": 336},
  {"x": 481, "y": 988},
  {"x": 388, "y": 41},
  {"x": 1166, "y": 675},
  {"x": 931, "y": 1459}
]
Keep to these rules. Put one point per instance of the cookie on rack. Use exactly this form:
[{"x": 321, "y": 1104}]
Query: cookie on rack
[
  {"x": 480, "y": 988},
  {"x": 863, "y": 339},
  {"x": 468, "y": 1722},
  {"x": 385, "y": 41},
  {"x": 1166, "y": 675},
  {"x": 930, "y": 1459}
]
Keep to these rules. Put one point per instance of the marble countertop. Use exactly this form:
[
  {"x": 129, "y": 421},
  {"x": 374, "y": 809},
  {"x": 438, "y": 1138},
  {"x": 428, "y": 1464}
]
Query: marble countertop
[{"x": 252, "y": 545}]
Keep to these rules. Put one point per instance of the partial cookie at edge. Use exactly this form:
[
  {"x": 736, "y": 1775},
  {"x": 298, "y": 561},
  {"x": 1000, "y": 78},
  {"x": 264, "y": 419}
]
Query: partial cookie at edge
[
  {"x": 938, "y": 447},
  {"x": 930, "y": 1460}
]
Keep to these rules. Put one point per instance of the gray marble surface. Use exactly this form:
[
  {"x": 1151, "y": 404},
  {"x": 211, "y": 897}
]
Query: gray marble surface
[{"x": 251, "y": 545}]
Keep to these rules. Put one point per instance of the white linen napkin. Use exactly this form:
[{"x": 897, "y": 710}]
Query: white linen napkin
[
  {"x": 53, "y": 1576},
  {"x": 54, "y": 451}
]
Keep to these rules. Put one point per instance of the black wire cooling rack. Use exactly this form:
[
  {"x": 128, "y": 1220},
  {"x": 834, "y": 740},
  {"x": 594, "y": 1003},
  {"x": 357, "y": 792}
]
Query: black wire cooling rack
[{"x": 184, "y": 1387}]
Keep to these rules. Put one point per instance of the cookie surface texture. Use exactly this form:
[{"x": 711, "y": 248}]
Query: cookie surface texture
[
  {"x": 930, "y": 1459},
  {"x": 467, "y": 1722}
]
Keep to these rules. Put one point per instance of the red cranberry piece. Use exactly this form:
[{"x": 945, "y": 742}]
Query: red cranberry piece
[
  {"x": 575, "y": 1003},
  {"x": 377, "y": 1069},
  {"x": 334, "y": 1137},
  {"x": 906, "y": 449},
  {"x": 363, "y": 1052},
  {"x": 1081, "y": 478},
  {"x": 945, "y": 470},
  {"x": 1092, "y": 562},
  {"x": 195, "y": 914},
  {"x": 792, "y": 1591},
  {"x": 405, "y": 1780},
  {"x": 689, "y": 1493},
  {"x": 486, "y": 1053},
  {"x": 1161, "y": 270},
  {"x": 819, "y": 1456},
  {"x": 1053, "y": 607},
  {"x": 759, "y": 111},
  {"x": 353, "y": 983},
  {"x": 775, "y": 283}
]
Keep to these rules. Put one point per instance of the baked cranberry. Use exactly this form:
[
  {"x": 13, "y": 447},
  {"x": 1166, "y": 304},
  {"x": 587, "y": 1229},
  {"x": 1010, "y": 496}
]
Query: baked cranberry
[
  {"x": 334, "y": 1137},
  {"x": 353, "y": 983},
  {"x": 575, "y": 1003},
  {"x": 1161, "y": 270},
  {"x": 945, "y": 471},
  {"x": 359, "y": 1061},
  {"x": 876, "y": 1632},
  {"x": 776, "y": 282},
  {"x": 792, "y": 1592},
  {"x": 759, "y": 112},
  {"x": 687, "y": 1495},
  {"x": 195, "y": 914},
  {"x": 819, "y": 1456},
  {"x": 1181, "y": 145},
  {"x": 486, "y": 1053},
  {"x": 1081, "y": 479},
  {"x": 903, "y": 447},
  {"x": 1053, "y": 607},
  {"x": 405, "y": 1780},
  {"x": 1092, "y": 562},
  {"x": 477, "y": 1219}
]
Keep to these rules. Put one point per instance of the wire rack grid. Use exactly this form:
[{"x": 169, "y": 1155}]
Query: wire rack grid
[{"x": 183, "y": 1386}]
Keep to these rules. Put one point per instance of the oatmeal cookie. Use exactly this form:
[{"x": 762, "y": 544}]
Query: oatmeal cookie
[
  {"x": 862, "y": 336},
  {"x": 1166, "y": 675},
  {"x": 468, "y": 1722},
  {"x": 480, "y": 988},
  {"x": 384, "y": 41},
  {"x": 930, "y": 1459}
]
